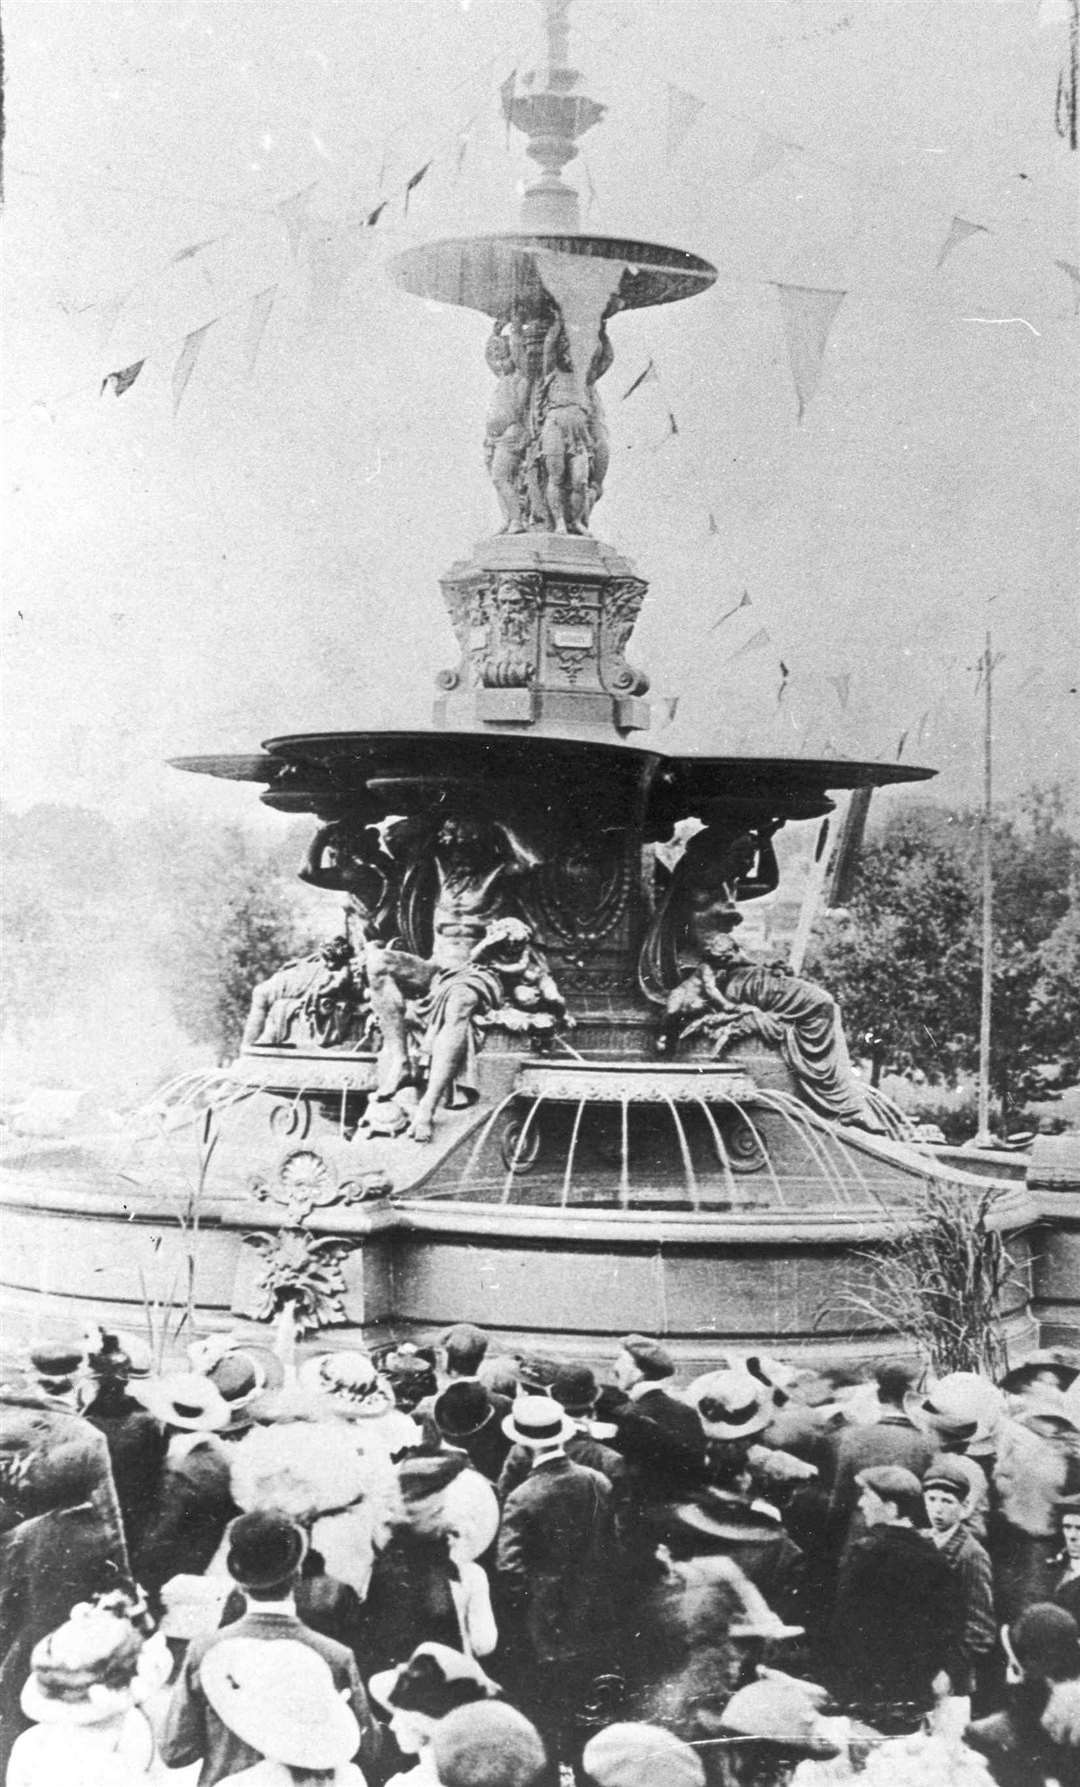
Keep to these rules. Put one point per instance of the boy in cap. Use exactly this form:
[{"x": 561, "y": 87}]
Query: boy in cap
[
  {"x": 266, "y": 1550},
  {"x": 945, "y": 1492},
  {"x": 896, "y": 1621}
]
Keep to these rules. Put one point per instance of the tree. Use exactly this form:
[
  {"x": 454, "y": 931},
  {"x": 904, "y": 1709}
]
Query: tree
[
  {"x": 230, "y": 922},
  {"x": 904, "y": 960}
]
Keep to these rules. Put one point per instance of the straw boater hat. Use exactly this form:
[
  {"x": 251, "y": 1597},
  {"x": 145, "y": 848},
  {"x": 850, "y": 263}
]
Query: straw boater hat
[
  {"x": 350, "y": 1381},
  {"x": 538, "y": 1421},
  {"x": 432, "y": 1682},
  {"x": 962, "y": 1408},
  {"x": 732, "y": 1405},
  {"x": 185, "y": 1400},
  {"x": 82, "y": 1673},
  {"x": 280, "y": 1700}
]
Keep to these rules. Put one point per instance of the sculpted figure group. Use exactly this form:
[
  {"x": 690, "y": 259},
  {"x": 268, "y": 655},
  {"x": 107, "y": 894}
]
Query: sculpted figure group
[
  {"x": 546, "y": 442},
  {"x": 436, "y": 948},
  {"x": 425, "y": 998}
]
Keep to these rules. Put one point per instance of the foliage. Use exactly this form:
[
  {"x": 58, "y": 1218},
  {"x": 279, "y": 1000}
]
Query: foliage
[
  {"x": 904, "y": 958},
  {"x": 938, "y": 1279},
  {"x": 230, "y": 922}
]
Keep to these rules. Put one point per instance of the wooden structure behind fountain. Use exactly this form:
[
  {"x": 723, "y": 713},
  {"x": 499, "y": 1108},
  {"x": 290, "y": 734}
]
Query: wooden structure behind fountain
[{"x": 535, "y": 1084}]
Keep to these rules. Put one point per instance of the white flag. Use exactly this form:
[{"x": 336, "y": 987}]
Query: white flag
[
  {"x": 769, "y": 152},
  {"x": 293, "y": 214},
  {"x": 186, "y": 361},
  {"x": 959, "y": 231},
  {"x": 1074, "y": 275},
  {"x": 332, "y": 257},
  {"x": 809, "y": 314},
  {"x": 258, "y": 317},
  {"x": 683, "y": 111}
]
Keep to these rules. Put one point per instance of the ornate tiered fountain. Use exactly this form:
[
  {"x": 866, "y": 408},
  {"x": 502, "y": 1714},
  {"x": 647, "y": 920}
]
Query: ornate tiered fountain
[{"x": 535, "y": 1082}]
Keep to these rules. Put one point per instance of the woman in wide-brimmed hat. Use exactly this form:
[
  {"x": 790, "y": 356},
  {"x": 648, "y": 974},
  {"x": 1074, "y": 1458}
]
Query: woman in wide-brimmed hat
[
  {"x": 426, "y": 1582},
  {"x": 195, "y": 1502},
  {"x": 83, "y": 1696},
  {"x": 280, "y": 1700},
  {"x": 345, "y": 1496},
  {"x": 432, "y": 1682},
  {"x": 350, "y": 1383}
]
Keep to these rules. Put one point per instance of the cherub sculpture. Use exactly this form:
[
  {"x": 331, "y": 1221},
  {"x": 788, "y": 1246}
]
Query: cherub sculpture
[{"x": 506, "y": 435}]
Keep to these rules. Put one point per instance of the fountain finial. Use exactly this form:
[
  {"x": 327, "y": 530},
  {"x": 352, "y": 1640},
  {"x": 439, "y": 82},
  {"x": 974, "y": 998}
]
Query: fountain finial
[{"x": 552, "y": 116}]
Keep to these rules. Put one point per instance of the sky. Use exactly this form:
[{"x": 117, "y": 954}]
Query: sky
[{"x": 266, "y": 558}]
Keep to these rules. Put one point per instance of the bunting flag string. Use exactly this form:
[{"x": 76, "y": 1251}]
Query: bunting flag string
[
  {"x": 842, "y": 684},
  {"x": 261, "y": 306},
  {"x": 293, "y": 214},
  {"x": 1065, "y": 103},
  {"x": 123, "y": 380},
  {"x": 684, "y": 109},
  {"x": 507, "y": 91},
  {"x": 187, "y": 361},
  {"x": 770, "y": 153},
  {"x": 743, "y": 602},
  {"x": 959, "y": 231},
  {"x": 809, "y": 313},
  {"x": 755, "y": 643},
  {"x": 648, "y": 376},
  {"x": 194, "y": 248},
  {"x": 1074, "y": 275}
]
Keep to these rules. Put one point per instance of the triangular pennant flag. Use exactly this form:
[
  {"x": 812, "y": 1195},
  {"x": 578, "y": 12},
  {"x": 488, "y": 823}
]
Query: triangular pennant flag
[
  {"x": 785, "y": 677},
  {"x": 188, "y": 254},
  {"x": 683, "y": 111},
  {"x": 1074, "y": 275},
  {"x": 900, "y": 746},
  {"x": 293, "y": 214},
  {"x": 959, "y": 231},
  {"x": 462, "y": 150},
  {"x": 753, "y": 644},
  {"x": 590, "y": 189},
  {"x": 842, "y": 685},
  {"x": 1065, "y": 110},
  {"x": 922, "y": 726},
  {"x": 108, "y": 314},
  {"x": 372, "y": 217},
  {"x": 713, "y": 526},
  {"x": 809, "y": 314},
  {"x": 769, "y": 153},
  {"x": 413, "y": 181},
  {"x": 258, "y": 317},
  {"x": 331, "y": 259},
  {"x": 673, "y": 426},
  {"x": 186, "y": 361},
  {"x": 642, "y": 378},
  {"x": 123, "y": 380},
  {"x": 743, "y": 602},
  {"x": 507, "y": 90}
]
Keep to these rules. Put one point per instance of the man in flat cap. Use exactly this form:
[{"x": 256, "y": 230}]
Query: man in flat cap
[{"x": 896, "y": 1622}]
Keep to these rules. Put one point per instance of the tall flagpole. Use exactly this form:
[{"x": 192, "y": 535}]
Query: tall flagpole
[{"x": 983, "y": 1137}]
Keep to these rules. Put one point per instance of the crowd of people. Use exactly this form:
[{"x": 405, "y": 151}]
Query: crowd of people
[{"x": 460, "y": 1567}]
